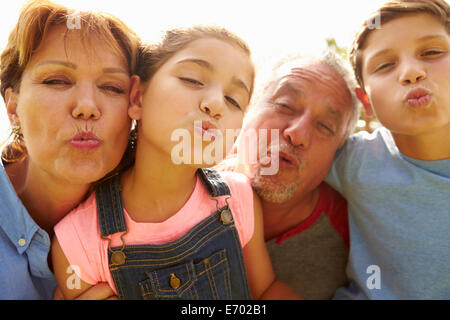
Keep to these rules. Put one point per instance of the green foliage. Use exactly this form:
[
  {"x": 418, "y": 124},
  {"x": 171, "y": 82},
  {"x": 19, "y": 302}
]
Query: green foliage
[{"x": 331, "y": 43}]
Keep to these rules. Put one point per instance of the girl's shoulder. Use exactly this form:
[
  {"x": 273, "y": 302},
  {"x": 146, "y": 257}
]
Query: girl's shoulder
[
  {"x": 82, "y": 218},
  {"x": 235, "y": 180}
]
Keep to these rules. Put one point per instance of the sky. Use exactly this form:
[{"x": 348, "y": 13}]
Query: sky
[{"x": 272, "y": 28}]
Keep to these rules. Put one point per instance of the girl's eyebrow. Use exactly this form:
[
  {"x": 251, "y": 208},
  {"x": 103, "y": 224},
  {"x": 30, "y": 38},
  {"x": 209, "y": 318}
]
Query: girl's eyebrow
[
  {"x": 205, "y": 64},
  {"x": 200, "y": 62}
]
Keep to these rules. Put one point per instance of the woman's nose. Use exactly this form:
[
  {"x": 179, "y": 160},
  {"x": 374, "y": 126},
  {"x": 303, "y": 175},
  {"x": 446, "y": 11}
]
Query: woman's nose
[{"x": 86, "y": 107}]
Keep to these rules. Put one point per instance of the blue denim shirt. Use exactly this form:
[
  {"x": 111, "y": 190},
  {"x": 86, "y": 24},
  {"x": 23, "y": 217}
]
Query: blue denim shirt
[{"x": 24, "y": 247}]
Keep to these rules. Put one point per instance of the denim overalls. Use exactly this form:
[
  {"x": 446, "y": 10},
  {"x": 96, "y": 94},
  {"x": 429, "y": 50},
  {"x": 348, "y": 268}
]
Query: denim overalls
[{"x": 206, "y": 263}]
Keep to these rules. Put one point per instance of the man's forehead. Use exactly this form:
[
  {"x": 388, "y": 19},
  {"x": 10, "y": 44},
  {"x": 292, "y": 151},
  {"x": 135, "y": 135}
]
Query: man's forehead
[{"x": 295, "y": 75}]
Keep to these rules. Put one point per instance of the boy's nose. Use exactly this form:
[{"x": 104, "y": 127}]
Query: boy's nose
[{"x": 411, "y": 72}]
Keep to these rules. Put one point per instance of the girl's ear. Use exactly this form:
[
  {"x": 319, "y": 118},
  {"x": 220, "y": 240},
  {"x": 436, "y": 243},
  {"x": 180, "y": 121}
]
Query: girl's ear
[
  {"x": 135, "y": 108},
  {"x": 362, "y": 96}
]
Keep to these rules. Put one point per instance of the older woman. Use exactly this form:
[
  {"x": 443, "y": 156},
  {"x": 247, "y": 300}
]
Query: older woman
[{"x": 65, "y": 80}]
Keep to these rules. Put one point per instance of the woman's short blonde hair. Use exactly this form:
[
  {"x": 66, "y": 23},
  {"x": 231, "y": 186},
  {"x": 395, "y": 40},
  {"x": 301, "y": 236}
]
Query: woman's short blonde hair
[{"x": 36, "y": 19}]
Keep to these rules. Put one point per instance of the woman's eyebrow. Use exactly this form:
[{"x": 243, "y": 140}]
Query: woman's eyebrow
[
  {"x": 74, "y": 66},
  {"x": 59, "y": 62},
  {"x": 115, "y": 70}
]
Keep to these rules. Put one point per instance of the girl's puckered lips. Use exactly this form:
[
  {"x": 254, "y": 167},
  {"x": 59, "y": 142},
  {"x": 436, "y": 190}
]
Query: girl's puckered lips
[
  {"x": 418, "y": 98},
  {"x": 206, "y": 130},
  {"x": 85, "y": 141}
]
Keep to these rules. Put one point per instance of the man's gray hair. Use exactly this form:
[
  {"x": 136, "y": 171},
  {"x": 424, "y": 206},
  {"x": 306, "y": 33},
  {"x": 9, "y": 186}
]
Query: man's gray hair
[{"x": 328, "y": 57}]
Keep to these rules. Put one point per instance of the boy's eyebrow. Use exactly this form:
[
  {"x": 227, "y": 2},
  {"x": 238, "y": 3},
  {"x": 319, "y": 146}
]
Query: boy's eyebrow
[
  {"x": 430, "y": 37},
  {"x": 422, "y": 39},
  {"x": 205, "y": 64},
  {"x": 379, "y": 53}
]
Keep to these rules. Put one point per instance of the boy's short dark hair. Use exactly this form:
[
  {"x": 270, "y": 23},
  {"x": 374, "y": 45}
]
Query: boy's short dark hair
[{"x": 391, "y": 10}]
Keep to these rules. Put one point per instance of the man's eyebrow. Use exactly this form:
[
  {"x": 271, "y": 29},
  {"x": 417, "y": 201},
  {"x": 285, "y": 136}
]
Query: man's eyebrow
[
  {"x": 287, "y": 87},
  {"x": 334, "y": 113}
]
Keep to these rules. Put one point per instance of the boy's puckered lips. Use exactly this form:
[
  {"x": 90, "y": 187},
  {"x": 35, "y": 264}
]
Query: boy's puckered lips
[{"x": 418, "y": 98}]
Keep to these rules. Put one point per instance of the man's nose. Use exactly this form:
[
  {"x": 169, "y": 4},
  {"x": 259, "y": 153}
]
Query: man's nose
[
  {"x": 213, "y": 103},
  {"x": 85, "y": 104},
  {"x": 298, "y": 131},
  {"x": 411, "y": 71}
]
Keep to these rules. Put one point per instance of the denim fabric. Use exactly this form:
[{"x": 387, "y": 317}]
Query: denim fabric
[
  {"x": 24, "y": 247},
  {"x": 206, "y": 263}
]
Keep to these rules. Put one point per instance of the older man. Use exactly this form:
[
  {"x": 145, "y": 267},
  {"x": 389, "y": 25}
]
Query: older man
[{"x": 312, "y": 104}]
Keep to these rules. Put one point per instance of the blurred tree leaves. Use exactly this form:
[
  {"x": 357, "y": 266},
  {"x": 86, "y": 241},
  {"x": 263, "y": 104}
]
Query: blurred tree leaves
[{"x": 332, "y": 44}]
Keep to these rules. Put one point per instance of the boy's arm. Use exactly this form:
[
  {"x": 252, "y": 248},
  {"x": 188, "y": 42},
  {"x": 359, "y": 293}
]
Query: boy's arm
[
  {"x": 261, "y": 277},
  {"x": 335, "y": 177},
  {"x": 69, "y": 283}
]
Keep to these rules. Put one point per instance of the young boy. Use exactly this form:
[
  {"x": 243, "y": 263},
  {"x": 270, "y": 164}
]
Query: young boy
[{"x": 397, "y": 180}]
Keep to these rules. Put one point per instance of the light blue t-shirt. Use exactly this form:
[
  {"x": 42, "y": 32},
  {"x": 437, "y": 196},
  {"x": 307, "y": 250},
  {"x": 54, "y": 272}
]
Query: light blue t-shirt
[
  {"x": 24, "y": 247},
  {"x": 399, "y": 217}
]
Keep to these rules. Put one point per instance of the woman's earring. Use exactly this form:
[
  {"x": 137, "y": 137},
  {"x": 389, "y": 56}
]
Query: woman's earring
[{"x": 17, "y": 136}]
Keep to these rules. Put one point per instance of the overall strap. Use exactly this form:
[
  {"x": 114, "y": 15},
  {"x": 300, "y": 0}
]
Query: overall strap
[
  {"x": 110, "y": 206},
  {"x": 213, "y": 182}
]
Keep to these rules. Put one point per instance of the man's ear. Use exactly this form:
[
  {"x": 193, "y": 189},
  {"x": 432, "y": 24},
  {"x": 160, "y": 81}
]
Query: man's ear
[
  {"x": 362, "y": 96},
  {"x": 11, "y": 105},
  {"x": 135, "y": 108}
]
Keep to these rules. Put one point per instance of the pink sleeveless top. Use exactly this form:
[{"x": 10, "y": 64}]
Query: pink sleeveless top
[{"x": 79, "y": 233}]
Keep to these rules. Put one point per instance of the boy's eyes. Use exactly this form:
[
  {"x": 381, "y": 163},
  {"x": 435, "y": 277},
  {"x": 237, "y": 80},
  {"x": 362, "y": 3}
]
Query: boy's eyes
[
  {"x": 430, "y": 53},
  {"x": 383, "y": 66}
]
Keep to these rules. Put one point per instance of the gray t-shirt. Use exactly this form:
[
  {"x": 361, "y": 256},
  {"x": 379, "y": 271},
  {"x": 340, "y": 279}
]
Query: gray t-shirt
[
  {"x": 399, "y": 217},
  {"x": 312, "y": 256}
]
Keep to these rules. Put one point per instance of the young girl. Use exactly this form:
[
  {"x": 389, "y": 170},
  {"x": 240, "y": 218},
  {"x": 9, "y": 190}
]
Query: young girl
[{"x": 162, "y": 230}]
